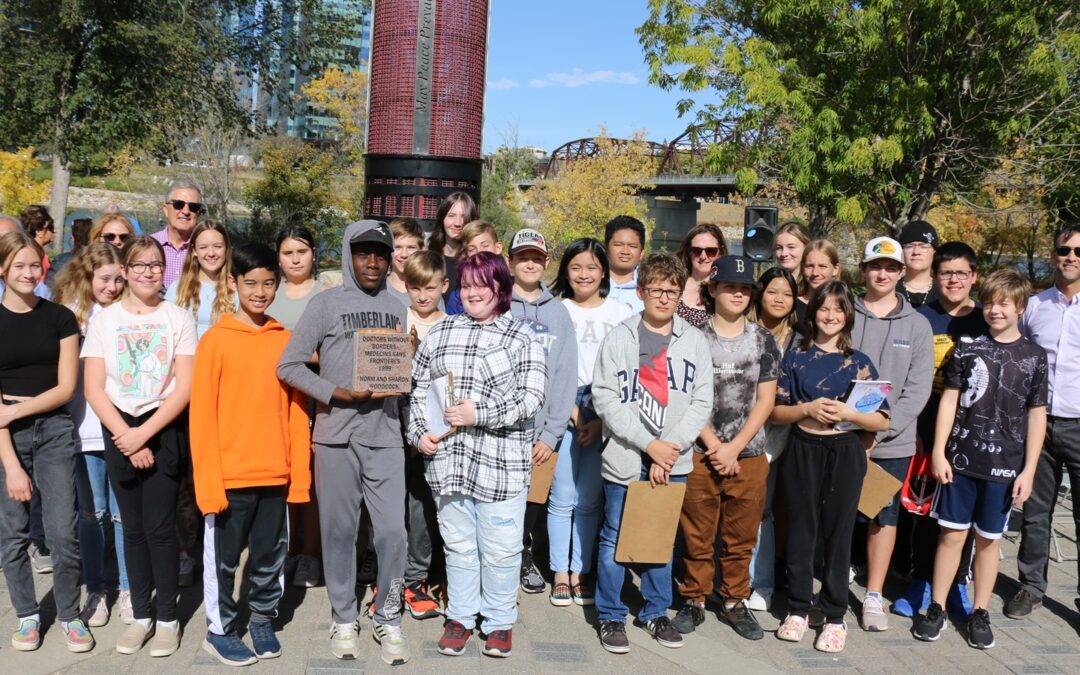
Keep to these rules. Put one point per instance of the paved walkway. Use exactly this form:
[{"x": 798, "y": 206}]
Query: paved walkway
[{"x": 550, "y": 639}]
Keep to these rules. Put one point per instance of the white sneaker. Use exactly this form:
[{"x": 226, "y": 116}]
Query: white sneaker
[
  {"x": 760, "y": 599},
  {"x": 343, "y": 642},
  {"x": 394, "y": 650},
  {"x": 97, "y": 610},
  {"x": 124, "y": 608},
  {"x": 874, "y": 616}
]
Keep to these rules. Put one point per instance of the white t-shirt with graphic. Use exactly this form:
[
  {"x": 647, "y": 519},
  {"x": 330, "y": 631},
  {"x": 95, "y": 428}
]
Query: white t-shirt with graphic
[
  {"x": 590, "y": 326},
  {"x": 139, "y": 350}
]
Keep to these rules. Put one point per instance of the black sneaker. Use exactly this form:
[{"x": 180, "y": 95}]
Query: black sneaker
[
  {"x": 979, "y": 634},
  {"x": 1022, "y": 605},
  {"x": 689, "y": 617},
  {"x": 743, "y": 621},
  {"x": 531, "y": 581},
  {"x": 613, "y": 637},
  {"x": 929, "y": 627},
  {"x": 664, "y": 633}
]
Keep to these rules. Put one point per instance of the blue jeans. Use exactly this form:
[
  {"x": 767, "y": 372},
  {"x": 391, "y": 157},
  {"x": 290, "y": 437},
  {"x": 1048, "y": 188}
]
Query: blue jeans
[
  {"x": 483, "y": 558},
  {"x": 96, "y": 499},
  {"x": 763, "y": 560},
  {"x": 576, "y": 499},
  {"x": 655, "y": 579}
]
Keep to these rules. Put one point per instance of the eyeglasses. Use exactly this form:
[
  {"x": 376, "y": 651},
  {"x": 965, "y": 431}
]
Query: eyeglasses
[
  {"x": 710, "y": 251},
  {"x": 179, "y": 204},
  {"x": 112, "y": 236},
  {"x": 141, "y": 267},
  {"x": 959, "y": 275},
  {"x": 1063, "y": 251},
  {"x": 917, "y": 246},
  {"x": 657, "y": 293}
]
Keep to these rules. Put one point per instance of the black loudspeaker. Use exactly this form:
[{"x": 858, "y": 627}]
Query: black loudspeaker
[{"x": 759, "y": 226}]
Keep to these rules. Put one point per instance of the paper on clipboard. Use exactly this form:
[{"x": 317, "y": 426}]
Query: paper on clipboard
[
  {"x": 440, "y": 395},
  {"x": 650, "y": 518},
  {"x": 866, "y": 396}
]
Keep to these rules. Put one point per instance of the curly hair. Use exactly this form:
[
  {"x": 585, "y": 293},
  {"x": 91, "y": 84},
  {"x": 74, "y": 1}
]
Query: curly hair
[
  {"x": 74, "y": 284},
  {"x": 662, "y": 266},
  {"x": 188, "y": 286}
]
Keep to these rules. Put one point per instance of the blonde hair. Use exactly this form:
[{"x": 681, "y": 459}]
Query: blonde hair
[
  {"x": 1006, "y": 284},
  {"x": 100, "y": 223},
  {"x": 422, "y": 266},
  {"x": 13, "y": 242},
  {"x": 795, "y": 229},
  {"x": 188, "y": 286},
  {"x": 823, "y": 246},
  {"x": 475, "y": 228},
  {"x": 74, "y": 284},
  {"x": 407, "y": 227}
]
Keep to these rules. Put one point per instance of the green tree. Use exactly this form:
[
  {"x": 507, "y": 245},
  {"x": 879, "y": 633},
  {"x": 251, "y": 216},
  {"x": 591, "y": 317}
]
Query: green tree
[
  {"x": 499, "y": 195},
  {"x": 79, "y": 77},
  {"x": 871, "y": 108}
]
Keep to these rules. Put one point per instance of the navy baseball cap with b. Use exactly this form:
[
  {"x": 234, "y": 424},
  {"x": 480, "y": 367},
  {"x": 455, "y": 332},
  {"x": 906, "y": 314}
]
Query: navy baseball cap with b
[{"x": 733, "y": 269}]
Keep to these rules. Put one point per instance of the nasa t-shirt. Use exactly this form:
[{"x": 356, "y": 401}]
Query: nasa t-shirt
[{"x": 998, "y": 382}]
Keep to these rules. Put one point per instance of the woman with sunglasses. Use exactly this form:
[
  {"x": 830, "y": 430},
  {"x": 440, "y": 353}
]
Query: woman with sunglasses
[
  {"x": 112, "y": 228},
  {"x": 702, "y": 245}
]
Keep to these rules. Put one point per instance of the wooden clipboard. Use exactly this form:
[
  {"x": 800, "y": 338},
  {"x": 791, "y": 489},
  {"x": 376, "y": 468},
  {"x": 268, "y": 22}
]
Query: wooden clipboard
[
  {"x": 649, "y": 520},
  {"x": 878, "y": 489},
  {"x": 542, "y": 477}
]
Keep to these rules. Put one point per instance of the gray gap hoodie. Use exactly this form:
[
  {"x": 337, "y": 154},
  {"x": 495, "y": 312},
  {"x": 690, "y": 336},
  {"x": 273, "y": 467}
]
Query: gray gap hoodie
[
  {"x": 554, "y": 330},
  {"x": 327, "y": 327},
  {"x": 901, "y": 345}
]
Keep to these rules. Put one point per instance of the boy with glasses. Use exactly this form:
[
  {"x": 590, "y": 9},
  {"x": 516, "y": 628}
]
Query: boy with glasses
[{"x": 919, "y": 240}]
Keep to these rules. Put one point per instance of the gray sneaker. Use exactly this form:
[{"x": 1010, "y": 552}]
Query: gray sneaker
[
  {"x": 343, "y": 642},
  {"x": 874, "y": 617},
  {"x": 392, "y": 645},
  {"x": 41, "y": 558}
]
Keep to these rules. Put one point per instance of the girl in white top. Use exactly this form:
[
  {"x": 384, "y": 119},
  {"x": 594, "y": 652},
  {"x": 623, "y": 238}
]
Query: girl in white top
[
  {"x": 138, "y": 357},
  {"x": 91, "y": 281},
  {"x": 583, "y": 280},
  {"x": 203, "y": 286}
]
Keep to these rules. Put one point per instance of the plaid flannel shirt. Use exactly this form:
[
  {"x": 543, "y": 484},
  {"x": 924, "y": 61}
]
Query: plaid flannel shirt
[{"x": 500, "y": 366}]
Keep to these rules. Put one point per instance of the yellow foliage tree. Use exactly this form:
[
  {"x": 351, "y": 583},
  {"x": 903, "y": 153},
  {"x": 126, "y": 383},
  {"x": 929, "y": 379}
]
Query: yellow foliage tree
[
  {"x": 342, "y": 95},
  {"x": 18, "y": 188},
  {"x": 589, "y": 192}
]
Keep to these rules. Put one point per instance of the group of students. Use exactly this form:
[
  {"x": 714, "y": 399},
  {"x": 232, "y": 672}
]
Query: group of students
[{"x": 228, "y": 397}]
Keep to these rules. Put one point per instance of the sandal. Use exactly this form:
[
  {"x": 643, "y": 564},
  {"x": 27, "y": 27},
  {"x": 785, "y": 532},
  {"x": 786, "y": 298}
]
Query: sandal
[
  {"x": 793, "y": 628},
  {"x": 832, "y": 638},
  {"x": 583, "y": 595},
  {"x": 560, "y": 595}
]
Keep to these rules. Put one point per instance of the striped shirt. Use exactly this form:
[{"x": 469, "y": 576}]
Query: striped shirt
[
  {"x": 174, "y": 257},
  {"x": 500, "y": 366}
]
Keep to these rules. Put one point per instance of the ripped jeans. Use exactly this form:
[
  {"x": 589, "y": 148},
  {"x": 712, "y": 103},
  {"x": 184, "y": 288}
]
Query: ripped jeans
[
  {"x": 97, "y": 504},
  {"x": 483, "y": 558}
]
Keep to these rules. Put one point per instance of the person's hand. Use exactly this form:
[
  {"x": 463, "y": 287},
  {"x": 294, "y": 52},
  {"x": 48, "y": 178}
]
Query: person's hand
[
  {"x": 724, "y": 458},
  {"x": 143, "y": 459},
  {"x": 541, "y": 452},
  {"x": 589, "y": 432},
  {"x": 1022, "y": 487},
  {"x": 414, "y": 340},
  {"x": 658, "y": 476},
  {"x": 428, "y": 444},
  {"x": 461, "y": 415},
  {"x": 664, "y": 453},
  {"x": 842, "y": 411},
  {"x": 19, "y": 486},
  {"x": 131, "y": 441},
  {"x": 7, "y": 414},
  {"x": 820, "y": 409},
  {"x": 942, "y": 470}
]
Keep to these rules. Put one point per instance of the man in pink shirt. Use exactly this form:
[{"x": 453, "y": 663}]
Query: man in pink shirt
[{"x": 181, "y": 208}]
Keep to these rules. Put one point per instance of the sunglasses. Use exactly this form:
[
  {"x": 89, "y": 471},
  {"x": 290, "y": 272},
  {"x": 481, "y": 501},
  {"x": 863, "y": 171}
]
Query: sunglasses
[
  {"x": 179, "y": 204},
  {"x": 111, "y": 237},
  {"x": 1063, "y": 251},
  {"x": 710, "y": 251}
]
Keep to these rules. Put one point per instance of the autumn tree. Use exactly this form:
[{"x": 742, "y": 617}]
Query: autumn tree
[
  {"x": 18, "y": 188},
  {"x": 588, "y": 192},
  {"x": 342, "y": 96},
  {"x": 870, "y": 109}
]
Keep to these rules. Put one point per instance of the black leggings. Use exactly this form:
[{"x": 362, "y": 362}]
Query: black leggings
[
  {"x": 147, "y": 504},
  {"x": 821, "y": 478}
]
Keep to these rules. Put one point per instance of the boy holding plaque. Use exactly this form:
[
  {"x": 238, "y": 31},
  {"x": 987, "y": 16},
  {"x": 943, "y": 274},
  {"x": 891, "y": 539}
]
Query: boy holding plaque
[
  {"x": 653, "y": 388},
  {"x": 250, "y": 448},
  {"x": 359, "y": 453}
]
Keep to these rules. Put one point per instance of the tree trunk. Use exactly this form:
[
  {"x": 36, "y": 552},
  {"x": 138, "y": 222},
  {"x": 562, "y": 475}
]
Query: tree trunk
[{"x": 58, "y": 199}]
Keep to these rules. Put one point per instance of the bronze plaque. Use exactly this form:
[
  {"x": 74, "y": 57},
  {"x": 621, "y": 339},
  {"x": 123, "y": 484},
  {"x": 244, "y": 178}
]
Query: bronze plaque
[{"x": 383, "y": 361}]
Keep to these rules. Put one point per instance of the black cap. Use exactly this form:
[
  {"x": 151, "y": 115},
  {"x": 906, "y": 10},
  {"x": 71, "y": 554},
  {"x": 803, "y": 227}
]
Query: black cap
[
  {"x": 919, "y": 230},
  {"x": 374, "y": 231},
  {"x": 732, "y": 269}
]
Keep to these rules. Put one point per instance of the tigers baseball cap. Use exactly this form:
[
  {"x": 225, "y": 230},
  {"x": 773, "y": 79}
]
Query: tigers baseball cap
[
  {"x": 883, "y": 247},
  {"x": 528, "y": 238}
]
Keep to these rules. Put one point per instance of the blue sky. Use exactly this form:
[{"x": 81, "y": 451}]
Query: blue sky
[{"x": 557, "y": 70}]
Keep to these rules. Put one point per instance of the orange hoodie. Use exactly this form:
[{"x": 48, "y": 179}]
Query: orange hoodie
[{"x": 248, "y": 428}]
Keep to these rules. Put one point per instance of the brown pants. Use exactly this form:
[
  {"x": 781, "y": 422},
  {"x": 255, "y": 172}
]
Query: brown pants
[{"x": 734, "y": 504}]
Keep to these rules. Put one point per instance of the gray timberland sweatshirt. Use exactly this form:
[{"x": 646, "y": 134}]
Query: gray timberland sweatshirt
[
  {"x": 554, "y": 330},
  {"x": 901, "y": 345},
  {"x": 327, "y": 328}
]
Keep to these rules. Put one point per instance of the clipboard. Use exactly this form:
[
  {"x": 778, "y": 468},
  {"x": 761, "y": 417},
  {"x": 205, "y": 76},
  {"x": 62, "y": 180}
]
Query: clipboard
[
  {"x": 649, "y": 520},
  {"x": 542, "y": 477},
  {"x": 878, "y": 489}
]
